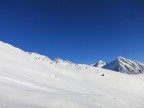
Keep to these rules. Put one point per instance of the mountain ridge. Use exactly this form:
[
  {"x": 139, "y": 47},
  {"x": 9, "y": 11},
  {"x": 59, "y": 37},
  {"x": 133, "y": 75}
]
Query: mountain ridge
[
  {"x": 120, "y": 64},
  {"x": 124, "y": 65}
]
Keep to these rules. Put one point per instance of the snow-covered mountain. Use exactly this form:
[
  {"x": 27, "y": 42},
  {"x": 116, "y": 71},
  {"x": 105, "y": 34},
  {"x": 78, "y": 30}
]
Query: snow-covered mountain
[
  {"x": 100, "y": 64},
  {"x": 63, "y": 62},
  {"x": 29, "y": 80},
  {"x": 40, "y": 57},
  {"x": 124, "y": 65}
]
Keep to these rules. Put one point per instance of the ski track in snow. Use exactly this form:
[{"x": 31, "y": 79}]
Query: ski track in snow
[{"x": 22, "y": 83}]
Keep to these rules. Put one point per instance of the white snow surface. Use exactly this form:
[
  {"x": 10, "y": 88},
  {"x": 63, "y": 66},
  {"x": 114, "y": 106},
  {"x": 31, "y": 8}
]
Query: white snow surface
[{"x": 29, "y": 82}]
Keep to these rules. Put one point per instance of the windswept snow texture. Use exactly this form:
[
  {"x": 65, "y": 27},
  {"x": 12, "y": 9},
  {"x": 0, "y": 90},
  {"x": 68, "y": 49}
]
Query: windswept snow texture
[
  {"x": 124, "y": 65},
  {"x": 29, "y": 80}
]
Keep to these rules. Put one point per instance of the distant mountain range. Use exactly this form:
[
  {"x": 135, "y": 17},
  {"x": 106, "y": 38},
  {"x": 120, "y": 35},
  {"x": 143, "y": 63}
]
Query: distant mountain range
[{"x": 120, "y": 64}]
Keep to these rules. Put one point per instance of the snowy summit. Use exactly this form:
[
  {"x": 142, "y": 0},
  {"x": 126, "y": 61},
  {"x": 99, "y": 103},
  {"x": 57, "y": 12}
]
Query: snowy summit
[
  {"x": 100, "y": 64},
  {"x": 124, "y": 65}
]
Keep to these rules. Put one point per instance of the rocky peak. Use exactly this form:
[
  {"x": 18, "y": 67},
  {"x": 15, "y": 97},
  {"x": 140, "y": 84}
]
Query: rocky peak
[{"x": 100, "y": 63}]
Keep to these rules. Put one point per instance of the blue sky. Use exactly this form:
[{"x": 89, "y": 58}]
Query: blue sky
[{"x": 82, "y": 31}]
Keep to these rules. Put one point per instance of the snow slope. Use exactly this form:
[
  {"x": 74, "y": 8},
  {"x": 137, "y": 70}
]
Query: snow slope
[{"x": 29, "y": 82}]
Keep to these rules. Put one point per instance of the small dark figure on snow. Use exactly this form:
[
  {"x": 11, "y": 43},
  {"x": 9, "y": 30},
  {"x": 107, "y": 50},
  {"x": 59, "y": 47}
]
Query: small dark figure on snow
[{"x": 102, "y": 74}]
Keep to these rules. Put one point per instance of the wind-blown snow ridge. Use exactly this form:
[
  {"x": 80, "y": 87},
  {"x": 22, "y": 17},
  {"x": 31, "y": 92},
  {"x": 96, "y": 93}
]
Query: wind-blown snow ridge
[
  {"x": 8, "y": 46},
  {"x": 40, "y": 57}
]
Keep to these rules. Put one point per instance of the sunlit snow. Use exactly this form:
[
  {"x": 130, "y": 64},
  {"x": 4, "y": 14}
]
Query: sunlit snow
[{"x": 29, "y": 80}]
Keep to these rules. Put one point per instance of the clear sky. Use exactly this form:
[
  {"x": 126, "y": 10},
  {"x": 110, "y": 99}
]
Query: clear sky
[{"x": 82, "y": 31}]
